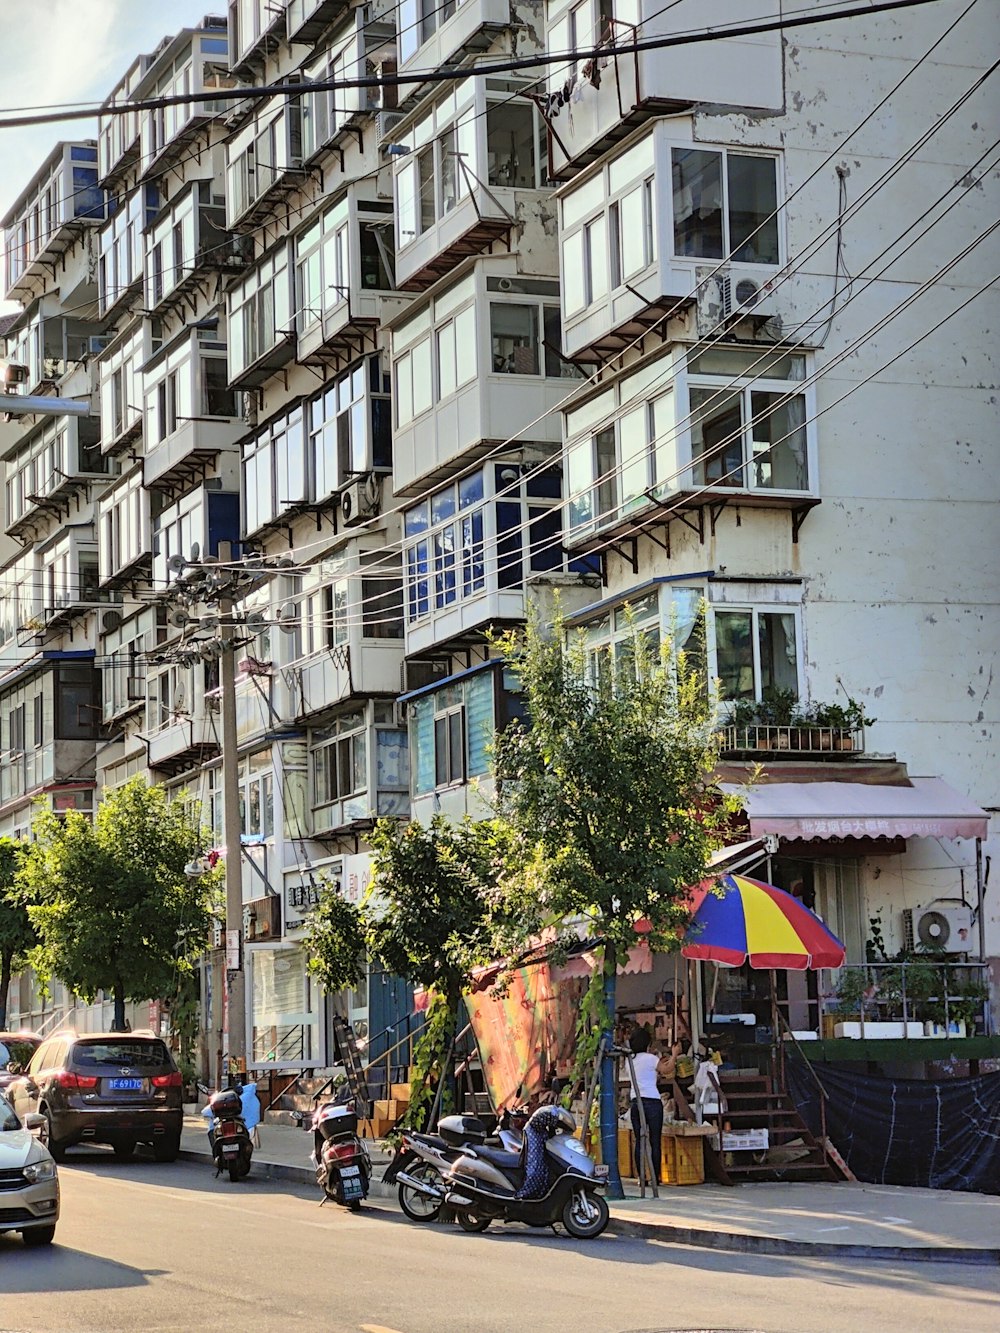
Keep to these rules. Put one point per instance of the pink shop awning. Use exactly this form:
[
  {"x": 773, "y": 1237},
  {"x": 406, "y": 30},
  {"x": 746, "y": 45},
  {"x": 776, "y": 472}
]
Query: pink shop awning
[{"x": 925, "y": 808}]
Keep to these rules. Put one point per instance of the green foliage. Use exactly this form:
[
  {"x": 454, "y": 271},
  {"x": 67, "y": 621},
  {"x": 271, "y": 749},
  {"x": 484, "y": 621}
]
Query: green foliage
[
  {"x": 112, "y": 906},
  {"x": 612, "y": 809},
  {"x": 431, "y": 915},
  {"x": 17, "y": 937},
  {"x": 335, "y": 941}
]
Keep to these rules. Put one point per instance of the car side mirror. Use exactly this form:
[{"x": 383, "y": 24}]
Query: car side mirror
[
  {"x": 15, "y": 1068},
  {"x": 35, "y": 1122}
]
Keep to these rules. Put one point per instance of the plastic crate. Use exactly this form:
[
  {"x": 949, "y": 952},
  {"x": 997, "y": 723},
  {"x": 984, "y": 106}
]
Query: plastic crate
[{"x": 683, "y": 1160}]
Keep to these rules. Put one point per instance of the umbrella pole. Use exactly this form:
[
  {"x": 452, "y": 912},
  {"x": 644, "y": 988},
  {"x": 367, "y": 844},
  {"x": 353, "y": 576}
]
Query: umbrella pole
[
  {"x": 673, "y": 1021},
  {"x": 778, "y": 1052}
]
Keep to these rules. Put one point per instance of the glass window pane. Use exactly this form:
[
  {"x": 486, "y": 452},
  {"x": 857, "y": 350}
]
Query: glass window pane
[
  {"x": 510, "y": 145},
  {"x": 579, "y": 477},
  {"x": 514, "y": 338},
  {"x": 717, "y": 437},
  {"x": 574, "y": 287},
  {"x": 422, "y": 386},
  {"x": 597, "y": 257},
  {"x": 633, "y": 232},
  {"x": 479, "y": 717},
  {"x": 635, "y": 457},
  {"x": 664, "y": 442},
  {"x": 776, "y": 643},
  {"x": 753, "y": 201},
  {"x": 607, "y": 474},
  {"x": 456, "y": 747},
  {"x": 446, "y": 359},
  {"x": 734, "y": 654},
  {"x": 465, "y": 346},
  {"x": 779, "y": 442},
  {"x": 509, "y": 572},
  {"x": 697, "y": 196}
]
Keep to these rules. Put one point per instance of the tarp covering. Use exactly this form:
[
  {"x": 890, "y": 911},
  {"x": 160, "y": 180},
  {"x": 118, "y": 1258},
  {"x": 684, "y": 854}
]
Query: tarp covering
[
  {"x": 939, "y": 1133},
  {"x": 925, "y": 808},
  {"x": 526, "y": 1033}
]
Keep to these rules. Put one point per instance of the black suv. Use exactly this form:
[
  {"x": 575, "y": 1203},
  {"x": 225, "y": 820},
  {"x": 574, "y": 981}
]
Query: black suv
[{"x": 118, "y": 1088}]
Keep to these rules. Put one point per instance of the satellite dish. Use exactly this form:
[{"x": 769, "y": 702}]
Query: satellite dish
[{"x": 288, "y": 618}]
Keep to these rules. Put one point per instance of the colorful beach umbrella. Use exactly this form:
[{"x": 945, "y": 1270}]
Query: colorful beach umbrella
[{"x": 757, "y": 923}]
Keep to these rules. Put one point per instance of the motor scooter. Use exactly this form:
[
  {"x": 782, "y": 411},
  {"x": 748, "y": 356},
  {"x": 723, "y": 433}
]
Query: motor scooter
[
  {"x": 551, "y": 1179},
  {"x": 421, "y": 1159},
  {"x": 343, "y": 1167},
  {"x": 232, "y": 1149}
]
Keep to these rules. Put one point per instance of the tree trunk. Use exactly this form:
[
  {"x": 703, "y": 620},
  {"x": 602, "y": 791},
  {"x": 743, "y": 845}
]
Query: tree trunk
[
  {"x": 609, "y": 1093},
  {"x": 6, "y": 962},
  {"x": 119, "y": 1019}
]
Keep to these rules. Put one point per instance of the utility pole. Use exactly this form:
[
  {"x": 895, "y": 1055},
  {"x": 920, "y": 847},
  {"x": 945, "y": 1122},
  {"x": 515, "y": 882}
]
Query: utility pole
[{"x": 233, "y": 834}]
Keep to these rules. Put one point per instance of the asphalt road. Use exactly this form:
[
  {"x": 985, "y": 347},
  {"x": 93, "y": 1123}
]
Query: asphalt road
[{"x": 155, "y": 1248}]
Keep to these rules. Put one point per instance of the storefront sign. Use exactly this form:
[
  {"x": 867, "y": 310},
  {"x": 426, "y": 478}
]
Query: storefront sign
[
  {"x": 301, "y": 897},
  {"x": 262, "y": 918}
]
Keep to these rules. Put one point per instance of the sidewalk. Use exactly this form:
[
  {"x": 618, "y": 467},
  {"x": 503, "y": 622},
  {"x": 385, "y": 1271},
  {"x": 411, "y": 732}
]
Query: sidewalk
[{"x": 818, "y": 1219}]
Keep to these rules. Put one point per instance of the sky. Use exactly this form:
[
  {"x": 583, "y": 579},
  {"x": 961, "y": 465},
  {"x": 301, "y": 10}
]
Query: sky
[{"x": 72, "y": 51}]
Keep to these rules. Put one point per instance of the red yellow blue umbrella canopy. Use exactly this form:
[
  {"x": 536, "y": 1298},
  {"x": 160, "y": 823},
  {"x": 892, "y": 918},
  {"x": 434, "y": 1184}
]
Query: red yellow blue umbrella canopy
[{"x": 757, "y": 923}]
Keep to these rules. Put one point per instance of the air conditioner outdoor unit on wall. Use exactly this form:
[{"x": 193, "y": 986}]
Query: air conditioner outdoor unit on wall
[
  {"x": 744, "y": 294},
  {"x": 941, "y": 929},
  {"x": 14, "y": 373},
  {"x": 359, "y": 501},
  {"x": 385, "y": 123}
]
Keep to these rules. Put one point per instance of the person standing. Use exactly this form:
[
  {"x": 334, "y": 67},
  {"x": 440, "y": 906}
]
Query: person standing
[{"x": 647, "y": 1067}]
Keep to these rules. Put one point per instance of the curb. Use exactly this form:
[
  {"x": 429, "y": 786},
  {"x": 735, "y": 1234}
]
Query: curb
[
  {"x": 744, "y": 1243},
  {"x": 300, "y": 1175},
  {"x": 732, "y": 1241}
]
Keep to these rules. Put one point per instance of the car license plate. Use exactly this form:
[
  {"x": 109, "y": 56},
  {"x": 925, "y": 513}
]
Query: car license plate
[
  {"x": 601, "y": 1172},
  {"x": 125, "y": 1084}
]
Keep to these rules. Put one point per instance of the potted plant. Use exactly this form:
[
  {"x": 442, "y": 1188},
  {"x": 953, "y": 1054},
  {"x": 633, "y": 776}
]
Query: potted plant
[
  {"x": 742, "y": 716},
  {"x": 776, "y": 709},
  {"x": 854, "y": 720}
]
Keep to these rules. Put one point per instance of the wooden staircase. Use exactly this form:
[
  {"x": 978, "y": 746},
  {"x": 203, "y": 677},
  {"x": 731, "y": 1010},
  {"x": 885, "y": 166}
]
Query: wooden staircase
[{"x": 752, "y": 1101}]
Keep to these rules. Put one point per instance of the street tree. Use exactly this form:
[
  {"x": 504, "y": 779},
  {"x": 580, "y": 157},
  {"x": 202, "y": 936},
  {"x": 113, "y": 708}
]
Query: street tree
[
  {"x": 16, "y": 934},
  {"x": 609, "y": 800},
  {"x": 110, "y": 900},
  {"x": 430, "y": 915}
]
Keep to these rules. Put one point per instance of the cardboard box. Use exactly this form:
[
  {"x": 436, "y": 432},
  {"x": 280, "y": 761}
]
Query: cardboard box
[
  {"x": 745, "y": 1140},
  {"x": 388, "y": 1109},
  {"x": 400, "y": 1092}
]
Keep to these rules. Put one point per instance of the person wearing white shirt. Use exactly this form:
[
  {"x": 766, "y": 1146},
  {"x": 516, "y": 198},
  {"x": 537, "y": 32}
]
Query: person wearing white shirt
[{"x": 647, "y": 1068}]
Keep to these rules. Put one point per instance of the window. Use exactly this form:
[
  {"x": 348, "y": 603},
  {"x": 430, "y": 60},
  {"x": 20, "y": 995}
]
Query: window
[
  {"x": 274, "y": 470},
  {"x": 340, "y": 764},
  {"x": 755, "y": 652},
  {"x": 259, "y": 311},
  {"x": 381, "y": 596},
  {"x": 78, "y": 696},
  {"x": 436, "y": 347},
  {"x": 752, "y": 647},
  {"x": 514, "y": 338},
  {"x": 452, "y": 728},
  {"x": 511, "y": 146},
  {"x": 349, "y": 427},
  {"x": 748, "y": 422},
  {"x": 724, "y": 204},
  {"x": 257, "y": 797}
]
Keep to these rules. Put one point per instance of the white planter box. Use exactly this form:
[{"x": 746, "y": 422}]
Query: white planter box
[
  {"x": 956, "y": 1028},
  {"x": 872, "y": 1031}
]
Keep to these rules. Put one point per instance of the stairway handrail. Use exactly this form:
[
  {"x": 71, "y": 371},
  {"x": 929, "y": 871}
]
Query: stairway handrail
[{"x": 824, "y": 1095}]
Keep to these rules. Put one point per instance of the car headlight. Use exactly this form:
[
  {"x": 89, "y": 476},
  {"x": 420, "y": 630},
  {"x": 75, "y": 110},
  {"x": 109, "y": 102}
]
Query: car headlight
[{"x": 37, "y": 1171}]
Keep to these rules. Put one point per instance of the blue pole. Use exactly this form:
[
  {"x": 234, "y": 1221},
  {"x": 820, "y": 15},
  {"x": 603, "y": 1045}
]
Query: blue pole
[{"x": 608, "y": 1102}]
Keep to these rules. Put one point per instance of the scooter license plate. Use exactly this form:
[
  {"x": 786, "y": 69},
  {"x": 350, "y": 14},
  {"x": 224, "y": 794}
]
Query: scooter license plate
[
  {"x": 352, "y": 1188},
  {"x": 230, "y": 1149},
  {"x": 601, "y": 1172},
  {"x": 351, "y": 1173}
]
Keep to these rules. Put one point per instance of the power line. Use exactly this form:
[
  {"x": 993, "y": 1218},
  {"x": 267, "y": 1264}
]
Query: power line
[{"x": 803, "y": 19}]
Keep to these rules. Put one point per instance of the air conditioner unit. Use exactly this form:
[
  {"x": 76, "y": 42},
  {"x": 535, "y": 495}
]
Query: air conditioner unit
[
  {"x": 385, "y": 123},
  {"x": 745, "y": 295},
  {"x": 941, "y": 929},
  {"x": 13, "y": 373},
  {"x": 359, "y": 501},
  {"x": 250, "y": 409},
  {"x": 110, "y": 621}
]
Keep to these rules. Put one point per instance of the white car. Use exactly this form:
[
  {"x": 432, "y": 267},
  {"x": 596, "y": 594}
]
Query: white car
[{"x": 29, "y": 1183}]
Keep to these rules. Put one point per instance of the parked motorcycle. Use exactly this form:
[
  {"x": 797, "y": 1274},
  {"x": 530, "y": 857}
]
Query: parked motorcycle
[
  {"x": 343, "y": 1167},
  {"x": 421, "y": 1159},
  {"x": 550, "y": 1180},
  {"x": 228, "y": 1135}
]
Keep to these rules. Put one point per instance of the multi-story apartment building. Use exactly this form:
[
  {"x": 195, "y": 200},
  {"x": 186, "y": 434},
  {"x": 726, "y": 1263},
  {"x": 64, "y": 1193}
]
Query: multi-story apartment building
[
  {"x": 407, "y": 355},
  {"x": 752, "y": 230}
]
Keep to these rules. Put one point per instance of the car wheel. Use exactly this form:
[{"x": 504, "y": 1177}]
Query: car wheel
[
  {"x": 39, "y": 1235},
  {"x": 166, "y": 1148},
  {"x": 55, "y": 1146},
  {"x": 124, "y": 1147}
]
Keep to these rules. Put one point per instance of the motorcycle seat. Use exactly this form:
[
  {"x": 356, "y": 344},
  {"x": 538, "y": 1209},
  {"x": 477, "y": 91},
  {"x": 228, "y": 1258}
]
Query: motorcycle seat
[{"x": 506, "y": 1161}]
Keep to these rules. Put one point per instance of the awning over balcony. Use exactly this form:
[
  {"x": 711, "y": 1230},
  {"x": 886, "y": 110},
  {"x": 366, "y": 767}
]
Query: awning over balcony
[{"x": 922, "y": 808}]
